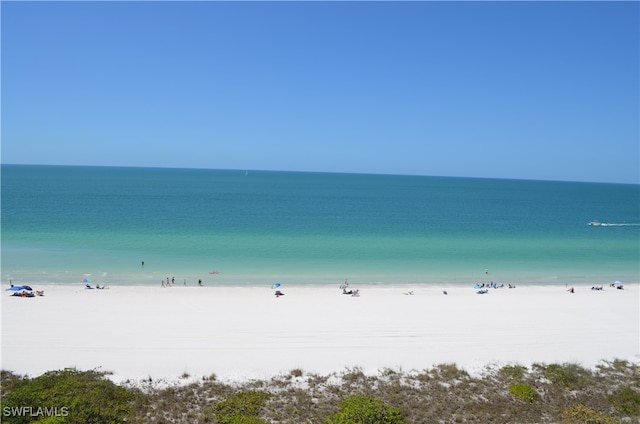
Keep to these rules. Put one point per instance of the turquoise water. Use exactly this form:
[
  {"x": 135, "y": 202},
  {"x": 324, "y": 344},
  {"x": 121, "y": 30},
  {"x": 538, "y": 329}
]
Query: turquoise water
[{"x": 61, "y": 224}]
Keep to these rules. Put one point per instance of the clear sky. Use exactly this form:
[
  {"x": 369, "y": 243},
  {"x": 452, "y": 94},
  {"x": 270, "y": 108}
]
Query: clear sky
[{"x": 533, "y": 90}]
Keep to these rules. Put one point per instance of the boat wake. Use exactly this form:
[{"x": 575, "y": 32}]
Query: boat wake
[{"x": 613, "y": 224}]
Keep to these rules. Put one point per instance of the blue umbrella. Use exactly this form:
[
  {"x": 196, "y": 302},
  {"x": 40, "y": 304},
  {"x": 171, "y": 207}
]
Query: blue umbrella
[
  {"x": 275, "y": 286},
  {"x": 15, "y": 288}
]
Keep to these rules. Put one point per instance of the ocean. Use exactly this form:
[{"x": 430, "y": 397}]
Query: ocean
[{"x": 61, "y": 224}]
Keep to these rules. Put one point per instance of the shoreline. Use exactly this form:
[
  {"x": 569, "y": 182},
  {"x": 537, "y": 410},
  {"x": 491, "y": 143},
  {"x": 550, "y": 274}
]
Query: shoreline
[
  {"x": 246, "y": 332},
  {"x": 250, "y": 280}
]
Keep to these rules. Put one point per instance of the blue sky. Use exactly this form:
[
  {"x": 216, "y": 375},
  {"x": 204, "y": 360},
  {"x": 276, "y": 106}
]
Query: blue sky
[{"x": 533, "y": 90}]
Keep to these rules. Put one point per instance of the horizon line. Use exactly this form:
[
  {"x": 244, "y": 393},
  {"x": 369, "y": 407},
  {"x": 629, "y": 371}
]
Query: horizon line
[{"x": 318, "y": 172}]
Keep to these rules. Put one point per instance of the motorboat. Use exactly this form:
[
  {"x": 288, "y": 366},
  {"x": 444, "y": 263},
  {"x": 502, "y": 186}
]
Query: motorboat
[{"x": 595, "y": 223}]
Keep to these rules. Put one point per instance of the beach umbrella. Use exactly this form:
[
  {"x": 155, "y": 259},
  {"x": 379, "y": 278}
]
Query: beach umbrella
[
  {"x": 15, "y": 288},
  {"x": 86, "y": 280},
  {"x": 276, "y": 286},
  {"x": 27, "y": 287}
]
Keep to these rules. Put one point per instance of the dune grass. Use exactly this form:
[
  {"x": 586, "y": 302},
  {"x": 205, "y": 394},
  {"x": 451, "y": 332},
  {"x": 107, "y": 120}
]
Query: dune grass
[{"x": 445, "y": 393}]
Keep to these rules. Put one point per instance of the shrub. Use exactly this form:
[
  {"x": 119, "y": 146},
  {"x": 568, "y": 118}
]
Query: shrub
[
  {"x": 626, "y": 400},
  {"x": 8, "y": 380},
  {"x": 241, "y": 408},
  {"x": 580, "y": 414},
  {"x": 570, "y": 376},
  {"x": 513, "y": 372},
  {"x": 365, "y": 409},
  {"x": 524, "y": 392},
  {"x": 297, "y": 372},
  {"x": 449, "y": 372},
  {"x": 70, "y": 396}
]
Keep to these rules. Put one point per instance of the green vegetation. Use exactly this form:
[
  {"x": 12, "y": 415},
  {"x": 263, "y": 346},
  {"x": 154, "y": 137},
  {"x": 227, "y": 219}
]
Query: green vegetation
[
  {"x": 241, "y": 408},
  {"x": 514, "y": 372},
  {"x": 67, "y": 396},
  {"x": 445, "y": 393},
  {"x": 365, "y": 409},
  {"x": 524, "y": 392},
  {"x": 580, "y": 414},
  {"x": 570, "y": 376},
  {"x": 626, "y": 400}
]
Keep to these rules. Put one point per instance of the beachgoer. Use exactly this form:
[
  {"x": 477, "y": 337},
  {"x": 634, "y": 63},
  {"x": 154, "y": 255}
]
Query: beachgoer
[
  {"x": 344, "y": 286},
  {"x": 142, "y": 264},
  {"x": 199, "y": 282}
]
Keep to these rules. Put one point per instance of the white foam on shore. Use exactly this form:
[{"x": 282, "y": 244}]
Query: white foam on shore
[{"x": 237, "y": 333}]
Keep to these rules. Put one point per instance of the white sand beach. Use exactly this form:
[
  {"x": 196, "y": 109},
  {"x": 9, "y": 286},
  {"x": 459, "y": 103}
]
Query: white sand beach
[{"x": 246, "y": 332}]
